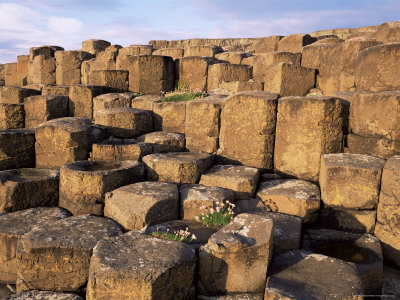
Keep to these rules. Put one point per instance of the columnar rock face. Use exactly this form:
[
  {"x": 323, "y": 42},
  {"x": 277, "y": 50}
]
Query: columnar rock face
[
  {"x": 13, "y": 226},
  {"x": 193, "y": 71},
  {"x": 208, "y": 51},
  {"x": 22, "y": 69},
  {"x": 81, "y": 100},
  {"x": 295, "y": 42},
  {"x": 236, "y": 258},
  {"x": 197, "y": 199},
  {"x": 142, "y": 204},
  {"x": 12, "y": 116},
  {"x": 290, "y": 196},
  {"x": 40, "y": 109},
  {"x": 220, "y": 72},
  {"x": 68, "y": 66},
  {"x": 375, "y": 69},
  {"x": 15, "y": 95},
  {"x": 83, "y": 184},
  {"x": 267, "y": 44},
  {"x": 301, "y": 274},
  {"x": 17, "y": 149},
  {"x": 162, "y": 141},
  {"x": 240, "y": 179},
  {"x": 111, "y": 100},
  {"x": 65, "y": 140},
  {"x": 388, "y": 32},
  {"x": 179, "y": 167},
  {"x": 27, "y": 187},
  {"x": 125, "y": 122},
  {"x": 306, "y": 128},
  {"x": 62, "y": 90},
  {"x": 42, "y": 65},
  {"x": 203, "y": 119},
  {"x": 94, "y": 46},
  {"x": 387, "y": 226},
  {"x": 350, "y": 181},
  {"x": 120, "y": 149},
  {"x": 145, "y": 268},
  {"x": 247, "y": 133},
  {"x": 232, "y": 57},
  {"x": 10, "y": 71},
  {"x": 170, "y": 116},
  {"x": 56, "y": 256},
  {"x": 136, "y": 50},
  {"x": 175, "y": 53},
  {"x": 312, "y": 55},
  {"x": 116, "y": 79},
  {"x": 148, "y": 74},
  {"x": 146, "y": 102},
  {"x": 241, "y": 86}
]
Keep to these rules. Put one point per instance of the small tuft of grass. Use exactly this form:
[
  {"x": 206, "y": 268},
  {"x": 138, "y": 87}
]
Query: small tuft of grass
[
  {"x": 180, "y": 236},
  {"x": 185, "y": 96},
  {"x": 222, "y": 214}
]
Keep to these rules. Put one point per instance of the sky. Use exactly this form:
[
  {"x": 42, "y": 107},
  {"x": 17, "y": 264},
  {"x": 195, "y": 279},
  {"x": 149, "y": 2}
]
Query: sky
[{"x": 66, "y": 23}]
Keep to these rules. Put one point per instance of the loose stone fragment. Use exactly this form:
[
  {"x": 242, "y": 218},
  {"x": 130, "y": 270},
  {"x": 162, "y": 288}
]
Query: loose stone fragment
[
  {"x": 301, "y": 274},
  {"x": 142, "y": 204},
  {"x": 290, "y": 196},
  {"x": 236, "y": 258},
  {"x": 164, "y": 141},
  {"x": 119, "y": 150},
  {"x": 197, "y": 199},
  {"x": 17, "y": 149},
  {"x": 240, "y": 179},
  {"x": 40, "y": 109},
  {"x": 26, "y": 188},
  {"x": 13, "y": 226},
  {"x": 83, "y": 184},
  {"x": 179, "y": 167},
  {"x": 138, "y": 266},
  {"x": 56, "y": 256},
  {"x": 363, "y": 251}
]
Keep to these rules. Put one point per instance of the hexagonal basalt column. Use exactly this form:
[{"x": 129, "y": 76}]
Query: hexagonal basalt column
[
  {"x": 26, "y": 188},
  {"x": 83, "y": 184},
  {"x": 164, "y": 141},
  {"x": 120, "y": 149},
  {"x": 17, "y": 149}
]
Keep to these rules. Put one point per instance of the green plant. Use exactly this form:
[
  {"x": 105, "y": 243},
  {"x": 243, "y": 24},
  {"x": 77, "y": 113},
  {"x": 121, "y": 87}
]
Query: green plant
[
  {"x": 222, "y": 214},
  {"x": 180, "y": 236},
  {"x": 185, "y": 96}
]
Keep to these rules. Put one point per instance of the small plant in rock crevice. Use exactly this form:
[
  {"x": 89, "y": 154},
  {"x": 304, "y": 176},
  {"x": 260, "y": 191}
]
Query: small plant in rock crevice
[
  {"x": 180, "y": 235},
  {"x": 221, "y": 214}
]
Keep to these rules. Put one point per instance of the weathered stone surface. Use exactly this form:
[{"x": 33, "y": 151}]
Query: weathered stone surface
[
  {"x": 112, "y": 100},
  {"x": 388, "y": 32},
  {"x": 295, "y": 42},
  {"x": 125, "y": 122},
  {"x": 119, "y": 150},
  {"x": 62, "y": 90},
  {"x": 301, "y": 274},
  {"x": 22, "y": 69},
  {"x": 146, "y": 102},
  {"x": 208, "y": 51},
  {"x": 68, "y": 66},
  {"x": 196, "y": 199},
  {"x": 220, "y": 72},
  {"x": 13, "y": 226},
  {"x": 81, "y": 100},
  {"x": 15, "y": 95},
  {"x": 374, "y": 146},
  {"x": 17, "y": 149},
  {"x": 148, "y": 74},
  {"x": 387, "y": 227},
  {"x": 360, "y": 221},
  {"x": 116, "y": 79},
  {"x": 262, "y": 61},
  {"x": 306, "y": 128},
  {"x": 375, "y": 69},
  {"x": 391, "y": 282},
  {"x": 95, "y": 46},
  {"x": 12, "y": 116},
  {"x": 142, "y": 204},
  {"x": 164, "y": 141},
  {"x": 240, "y": 179},
  {"x": 27, "y": 187},
  {"x": 202, "y": 124},
  {"x": 45, "y": 51},
  {"x": 172, "y": 52},
  {"x": 241, "y": 86},
  {"x": 6, "y": 291},
  {"x": 267, "y": 44},
  {"x": 290, "y": 196},
  {"x": 145, "y": 268},
  {"x": 192, "y": 71},
  {"x": 65, "y": 140},
  {"x": 289, "y": 80},
  {"x": 236, "y": 296},
  {"x": 236, "y": 258},
  {"x": 248, "y": 121},
  {"x": 169, "y": 116},
  {"x": 10, "y": 71},
  {"x": 363, "y": 251},
  {"x": 56, "y": 256},
  {"x": 44, "y": 295},
  {"x": 42, "y": 70},
  {"x": 40, "y": 109},
  {"x": 350, "y": 180},
  {"x": 179, "y": 167},
  {"x": 312, "y": 56},
  {"x": 136, "y": 50},
  {"x": 232, "y": 57},
  {"x": 83, "y": 184}
]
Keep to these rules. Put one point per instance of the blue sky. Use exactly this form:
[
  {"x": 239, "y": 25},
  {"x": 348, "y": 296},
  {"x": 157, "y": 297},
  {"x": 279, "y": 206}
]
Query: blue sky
[{"x": 66, "y": 23}]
